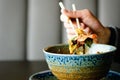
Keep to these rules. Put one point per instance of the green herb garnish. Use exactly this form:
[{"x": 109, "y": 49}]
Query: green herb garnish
[{"x": 89, "y": 42}]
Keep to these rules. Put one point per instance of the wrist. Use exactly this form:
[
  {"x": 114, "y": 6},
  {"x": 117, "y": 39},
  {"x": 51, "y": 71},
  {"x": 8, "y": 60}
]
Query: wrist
[{"x": 104, "y": 36}]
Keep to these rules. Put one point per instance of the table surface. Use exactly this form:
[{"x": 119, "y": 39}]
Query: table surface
[{"x": 22, "y": 70}]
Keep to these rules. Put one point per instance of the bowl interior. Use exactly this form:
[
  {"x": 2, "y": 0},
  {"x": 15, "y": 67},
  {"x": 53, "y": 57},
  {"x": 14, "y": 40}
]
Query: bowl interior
[
  {"x": 64, "y": 49},
  {"x": 59, "y": 49}
]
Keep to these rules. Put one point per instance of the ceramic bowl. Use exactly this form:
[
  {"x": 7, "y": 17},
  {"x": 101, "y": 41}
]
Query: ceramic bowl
[{"x": 67, "y": 66}]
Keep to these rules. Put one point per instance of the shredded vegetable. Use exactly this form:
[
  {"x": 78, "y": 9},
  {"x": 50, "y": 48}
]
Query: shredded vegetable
[{"x": 81, "y": 43}]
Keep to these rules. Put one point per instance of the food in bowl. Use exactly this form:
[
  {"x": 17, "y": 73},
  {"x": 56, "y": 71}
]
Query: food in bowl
[
  {"x": 82, "y": 42},
  {"x": 66, "y": 66}
]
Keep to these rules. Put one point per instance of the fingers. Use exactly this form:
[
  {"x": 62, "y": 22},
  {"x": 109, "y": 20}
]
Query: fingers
[
  {"x": 71, "y": 32},
  {"x": 69, "y": 29},
  {"x": 82, "y": 26},
  {"x": 85, "y": 16},
  {"x": 68, "y": 26},
  {"x": 87, "y": 21},
  {"x": 88, "y": 30},
  {"x": 64, "y": 18}
]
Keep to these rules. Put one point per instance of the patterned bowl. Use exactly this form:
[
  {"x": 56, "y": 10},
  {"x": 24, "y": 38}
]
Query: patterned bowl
[{"x": 67, "y": 66}]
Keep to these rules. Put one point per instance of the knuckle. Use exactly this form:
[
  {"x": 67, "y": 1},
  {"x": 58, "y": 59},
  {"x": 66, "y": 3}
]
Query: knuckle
[{"x": 87, "y": 11}]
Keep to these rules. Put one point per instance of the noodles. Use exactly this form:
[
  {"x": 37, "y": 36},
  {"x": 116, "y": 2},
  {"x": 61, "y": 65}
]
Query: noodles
[{"x": 81, "y": 43}]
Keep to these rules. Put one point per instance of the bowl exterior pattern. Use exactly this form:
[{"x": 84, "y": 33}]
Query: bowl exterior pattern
[{"x": 74, "y": 67}]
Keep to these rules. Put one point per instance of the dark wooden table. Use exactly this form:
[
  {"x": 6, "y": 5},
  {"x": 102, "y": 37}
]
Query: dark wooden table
[{"x": 22, "y": 70}]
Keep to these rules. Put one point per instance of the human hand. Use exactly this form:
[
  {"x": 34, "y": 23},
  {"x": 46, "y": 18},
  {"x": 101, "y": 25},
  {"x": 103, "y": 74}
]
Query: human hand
[{"x": 89, "y": 23}]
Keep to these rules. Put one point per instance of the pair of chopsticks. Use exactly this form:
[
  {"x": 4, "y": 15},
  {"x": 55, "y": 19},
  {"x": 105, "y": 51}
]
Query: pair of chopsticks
[{"x": 74, "y": 9}]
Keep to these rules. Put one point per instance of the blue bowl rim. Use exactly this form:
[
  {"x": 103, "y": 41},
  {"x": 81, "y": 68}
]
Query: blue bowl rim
[{"x": 45, "y": 52}]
